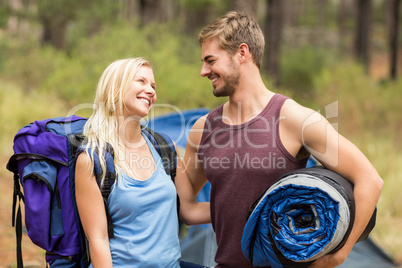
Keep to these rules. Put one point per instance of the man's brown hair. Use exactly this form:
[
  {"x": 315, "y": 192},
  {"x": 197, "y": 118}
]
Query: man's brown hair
[{"x": 233, "y": 29}]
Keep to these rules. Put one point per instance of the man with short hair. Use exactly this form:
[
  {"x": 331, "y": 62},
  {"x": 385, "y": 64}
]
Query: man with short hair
[{"x": 244, "y": 145}]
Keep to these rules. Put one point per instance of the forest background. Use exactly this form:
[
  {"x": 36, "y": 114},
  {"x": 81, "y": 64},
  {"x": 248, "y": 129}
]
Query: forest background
[{"x": 322, "y": 53}]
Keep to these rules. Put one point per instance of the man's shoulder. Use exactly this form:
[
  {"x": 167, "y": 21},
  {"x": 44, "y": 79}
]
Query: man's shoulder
[
  {"x": 204, "y": 123},
  {"x": 295, "y": 113},
  {"x": 200, "y": 123},
  {"x": 194, "y": 137}
]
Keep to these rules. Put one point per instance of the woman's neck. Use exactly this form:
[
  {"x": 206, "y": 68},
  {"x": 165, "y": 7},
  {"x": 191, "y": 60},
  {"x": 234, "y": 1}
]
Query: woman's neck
[{"x": 129, "y": 130}]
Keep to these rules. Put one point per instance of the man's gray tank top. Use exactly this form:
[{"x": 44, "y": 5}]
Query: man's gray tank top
[{"x": 241, "y": 162}]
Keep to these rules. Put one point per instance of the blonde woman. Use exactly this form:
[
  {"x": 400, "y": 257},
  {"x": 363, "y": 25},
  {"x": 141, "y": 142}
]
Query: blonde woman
[{"x": 142, "y": 203}]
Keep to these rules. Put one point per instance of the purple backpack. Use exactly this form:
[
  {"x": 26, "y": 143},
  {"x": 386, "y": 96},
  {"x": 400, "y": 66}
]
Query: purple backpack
[{"x": 44, "y": 164}]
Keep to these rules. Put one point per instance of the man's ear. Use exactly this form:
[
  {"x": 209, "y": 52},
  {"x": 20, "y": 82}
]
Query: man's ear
[{"x": 244, "y": 52}]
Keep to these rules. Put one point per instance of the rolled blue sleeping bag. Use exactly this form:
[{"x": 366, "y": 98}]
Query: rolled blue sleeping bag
[{"x": 304, "y": 215}]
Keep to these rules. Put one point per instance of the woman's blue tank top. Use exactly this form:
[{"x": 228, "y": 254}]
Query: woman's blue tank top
[{"x": 145, "y": 219}]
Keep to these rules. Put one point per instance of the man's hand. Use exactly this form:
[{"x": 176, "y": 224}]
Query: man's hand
[{"x": 330, "y": 260}]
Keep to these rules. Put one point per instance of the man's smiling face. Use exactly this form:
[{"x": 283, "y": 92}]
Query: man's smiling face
[{"x": 220, "y": 67}]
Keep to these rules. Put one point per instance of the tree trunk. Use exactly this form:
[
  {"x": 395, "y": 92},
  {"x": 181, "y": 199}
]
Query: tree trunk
[
  {"x": 155, "y": 11},
  {"x": 321, "y": 5},
  {"x": 249, "y": 7},
  {"x": 13, "y": 24},
  {"x": 54, "y": 17},
  {"x": 54, "y": 33},
  {"x": 393, "y": 37},
  {"x": 130, "y": 9},
  {"x": 342, "y": 19},
  {"x": 197, "y": 17},
  {"x": 363, "y": 28},
  {"x": 273, "y": 34}
]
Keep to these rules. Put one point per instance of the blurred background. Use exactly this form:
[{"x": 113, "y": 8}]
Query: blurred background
[{"x": 345, "y": 54}]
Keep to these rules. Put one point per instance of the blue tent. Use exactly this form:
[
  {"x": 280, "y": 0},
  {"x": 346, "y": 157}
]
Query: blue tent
[
  {"x": 199, "y": 245},
  {"x": 177, "y": 125}
]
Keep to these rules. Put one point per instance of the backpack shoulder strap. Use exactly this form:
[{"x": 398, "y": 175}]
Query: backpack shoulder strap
[
  {"x": 165, "y": 148},
  {"x": 167, "y": 151},
  {"x": 109, "y": 181}
]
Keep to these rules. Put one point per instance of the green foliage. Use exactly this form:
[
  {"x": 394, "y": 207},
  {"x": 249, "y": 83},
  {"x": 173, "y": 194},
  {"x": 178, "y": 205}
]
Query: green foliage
[
  {"x": 75, "y": 78},
  {"x": 89, "y": 20},
  {"x": 4, "y": 56},
  {"x": 364, "y": 103},
  {"x": 310, "y": 16},
  {"x": 47, "y": 82},
  {"x": 59, "y": 10},
  {"x": 4, "y": 13},
  {"x": 18, "y": 108},
  {"x": 29, "y": 65},
  {"x": 300, "y": 65},
  {"x": 197, "y": 4}
]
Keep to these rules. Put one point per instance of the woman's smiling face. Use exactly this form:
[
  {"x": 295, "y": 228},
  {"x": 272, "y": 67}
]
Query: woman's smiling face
[{"x": 141, "y": 94}]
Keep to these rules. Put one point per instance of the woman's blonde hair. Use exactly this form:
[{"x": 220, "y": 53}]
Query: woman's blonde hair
[
  {"x": 233, "y": 29},
  {"x": 101, "y": 129}
]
